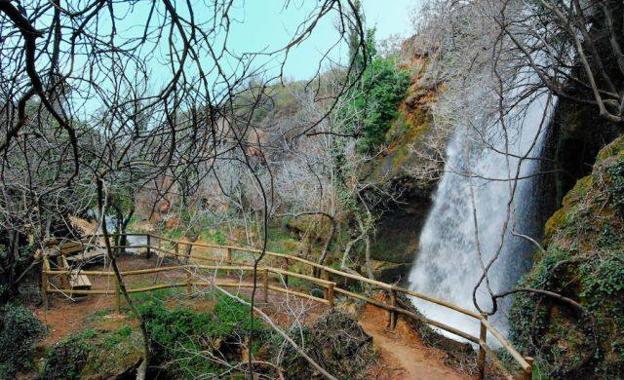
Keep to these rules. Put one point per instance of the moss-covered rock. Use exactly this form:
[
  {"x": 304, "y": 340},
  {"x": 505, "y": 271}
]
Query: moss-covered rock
[
  {"x": 584, "y": 261},
  {"x": 95, "y": 354}
]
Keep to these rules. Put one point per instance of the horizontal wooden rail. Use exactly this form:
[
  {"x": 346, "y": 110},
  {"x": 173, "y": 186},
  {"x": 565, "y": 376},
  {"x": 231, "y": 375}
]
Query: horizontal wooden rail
[
  {"x": 154, "y": 243},
  {"x": 181, "y": 285}
]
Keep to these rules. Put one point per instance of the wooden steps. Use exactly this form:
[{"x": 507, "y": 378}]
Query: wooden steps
[
  {"x": 74, "y": 280},
  {"x": 79, "y": 281}
]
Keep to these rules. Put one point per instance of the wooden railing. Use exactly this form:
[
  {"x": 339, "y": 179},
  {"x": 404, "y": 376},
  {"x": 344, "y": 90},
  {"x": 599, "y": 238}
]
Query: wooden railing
[{"x": 229, "y": 258}]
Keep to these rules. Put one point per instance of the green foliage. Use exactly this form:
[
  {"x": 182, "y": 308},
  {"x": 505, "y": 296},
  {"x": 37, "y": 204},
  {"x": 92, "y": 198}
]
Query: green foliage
[
  {"x": 67, "y": 358},
  {"x": 177, "y": 335},
  {"x": 219, "y": 237},
  {"x": 19, "y": 333},
  {"x": 170, "y": 330},
  {"x": 616, "y": 190},
  {"x": 94, "y": 354},
  {"x": 583, "y": 261},
  {"x": 117, "y": 337},
  {"x": 373, "y": 102},
  {"x": 603, "y": 282}
]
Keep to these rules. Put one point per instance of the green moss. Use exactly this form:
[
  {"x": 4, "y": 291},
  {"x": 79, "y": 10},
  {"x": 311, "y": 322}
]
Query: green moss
[
  {"x": 584, "y": 261},
  {"x": 407, "y": 133},
  {"x": 93, "y": 353},
  {"x": 615, "y": 149},
  {"x": 68, "y": 358},
  {"x": 117, "y": 337}
]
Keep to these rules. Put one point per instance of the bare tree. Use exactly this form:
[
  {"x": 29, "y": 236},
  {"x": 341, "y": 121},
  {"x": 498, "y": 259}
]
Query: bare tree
[{"x": 86, "y": 84}]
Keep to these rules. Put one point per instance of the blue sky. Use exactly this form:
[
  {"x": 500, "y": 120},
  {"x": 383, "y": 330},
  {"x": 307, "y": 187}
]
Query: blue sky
[{"x": 265, "y": 24}]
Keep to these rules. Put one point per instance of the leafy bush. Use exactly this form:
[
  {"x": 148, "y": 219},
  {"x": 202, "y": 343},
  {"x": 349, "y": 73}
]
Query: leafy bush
[
  {"x": 68, "y": 357},
  {"x": 175, "y": 335},
  {"x": 373, "y": 102},
  {"x": 19, "y": 333},
  {"x": 383, "y": 88},
  {"x": 95, "y": 353}
]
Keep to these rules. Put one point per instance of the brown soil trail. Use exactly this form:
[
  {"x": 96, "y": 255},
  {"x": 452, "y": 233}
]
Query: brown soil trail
[
  {"x": 403, "y": 355},
  {"x": 402, "y": 351}
]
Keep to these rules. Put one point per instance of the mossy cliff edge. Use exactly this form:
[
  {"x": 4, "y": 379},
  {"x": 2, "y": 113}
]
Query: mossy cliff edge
[
  {"x": 408, "y": 162},
  {"x": 583, "y": 260}
]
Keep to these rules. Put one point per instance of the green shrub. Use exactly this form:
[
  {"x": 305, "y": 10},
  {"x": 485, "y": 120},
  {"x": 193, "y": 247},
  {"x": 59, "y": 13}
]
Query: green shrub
[
  {"x": 19, "y": 333},
  {"x": 383, "y": 88},
  {"x": 117, "y": 337},
  {"x": 177, "y": 335},
  {"x": 373, "y": 102},
  {"x": 68, "y": 357},
  {"x": 616, "y": 188}
]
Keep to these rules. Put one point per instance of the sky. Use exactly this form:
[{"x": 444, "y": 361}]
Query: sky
[{"x": 265, "y": 23}]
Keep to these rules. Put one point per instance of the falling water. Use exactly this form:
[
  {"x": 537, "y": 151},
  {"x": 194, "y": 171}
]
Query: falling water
[{"x": 447, "y": 263}]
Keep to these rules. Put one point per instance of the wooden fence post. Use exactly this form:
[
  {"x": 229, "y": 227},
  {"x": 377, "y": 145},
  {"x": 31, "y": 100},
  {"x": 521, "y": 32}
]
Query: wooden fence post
[
  {"x": 228, "y": 259},
  {"x": 482, "y": 343},
  {"x": 65, "y": 277},
  {"x": 189, "y": 248},
  {"x": 266, "y": 285},
  {"x": 117, "y": 295},
  {"x": 286, "y": 264},
  {"x": 529, "y": 372},
  {"x": 330, "y": 294},
  {"x": 44, "y": 282},
  {"x": 393, "y": 313},
  {"x": 189, "y": 282},
  {"x": 148, "y": 254}
]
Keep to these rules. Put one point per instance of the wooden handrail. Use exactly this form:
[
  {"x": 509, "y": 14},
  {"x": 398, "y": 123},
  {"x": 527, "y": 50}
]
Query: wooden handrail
[{"x": 524, "y": 363}]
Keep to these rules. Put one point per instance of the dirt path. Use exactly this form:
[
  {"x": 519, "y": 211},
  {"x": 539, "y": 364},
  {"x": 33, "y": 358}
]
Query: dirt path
[
  {"x": 403, "y": 355},
  {"x": 402, "y": 351},
  {"x": 65, "y": 317}
]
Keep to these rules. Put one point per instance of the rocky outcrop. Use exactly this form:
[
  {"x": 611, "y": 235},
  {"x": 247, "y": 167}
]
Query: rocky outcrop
[
  {"x": 412, "y": 164},
  {"x": 576, "y": 134},
  {"x": 95, "y": 354},
  {"x": 583, "y": 260}
]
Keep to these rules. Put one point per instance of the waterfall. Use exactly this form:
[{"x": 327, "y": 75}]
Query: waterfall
[{"x": 447, "y": 263}]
